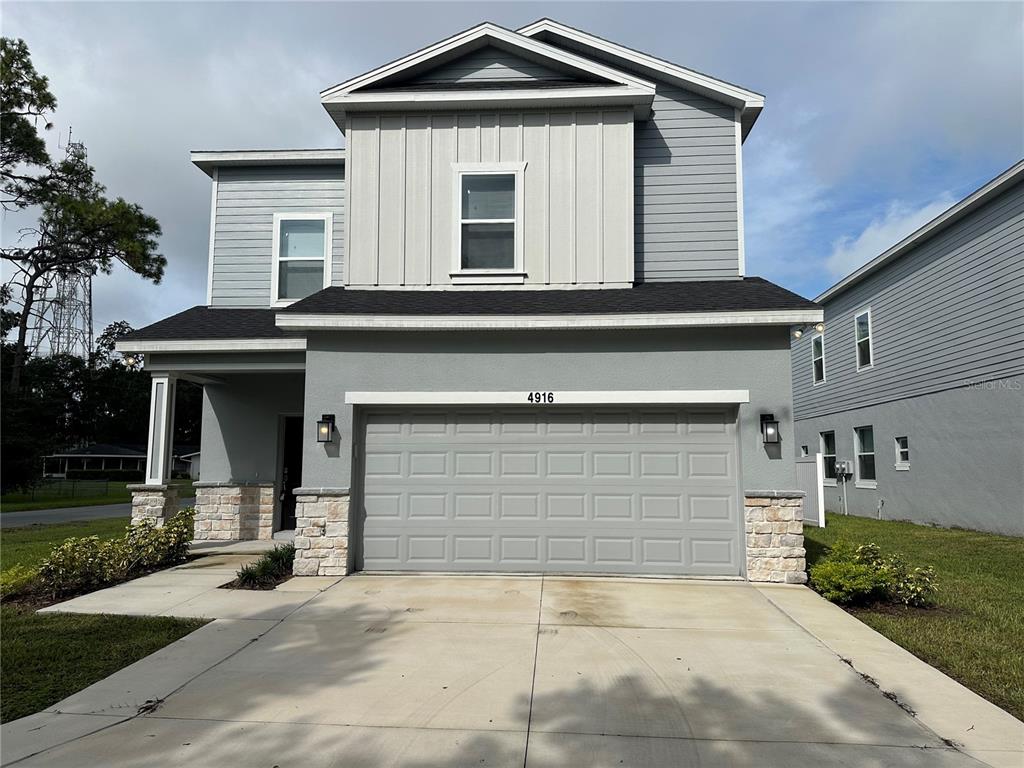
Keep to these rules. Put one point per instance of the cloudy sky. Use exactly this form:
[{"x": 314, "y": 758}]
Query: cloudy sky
[{"x": 878, "y": 115}]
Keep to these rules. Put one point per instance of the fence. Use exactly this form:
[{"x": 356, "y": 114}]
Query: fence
[
  {"x": 810, "y": 477},
  {"x": 71, "y": 489}
]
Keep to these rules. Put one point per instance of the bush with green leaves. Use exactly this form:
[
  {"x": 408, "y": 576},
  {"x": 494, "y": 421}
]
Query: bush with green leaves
[
  {"x": 269, "y": 570},
  {"x": 862, "y": 575},
  {"x": 85, "y": 564}
]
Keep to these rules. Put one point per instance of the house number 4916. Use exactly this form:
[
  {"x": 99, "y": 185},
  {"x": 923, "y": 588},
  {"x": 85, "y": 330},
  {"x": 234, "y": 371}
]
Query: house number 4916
[{"x": 540, "y": 398}]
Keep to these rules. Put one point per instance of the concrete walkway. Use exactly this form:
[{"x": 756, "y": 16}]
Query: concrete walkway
[
  {"x": 71, "y": 514},
  {"x": 510, "y": 671}
]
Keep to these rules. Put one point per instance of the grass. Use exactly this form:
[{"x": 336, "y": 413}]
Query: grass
[
  {"x": 974, "y": 632},
  {"x": 47, "y": 657},
  {"x": 87, "y": 495}
]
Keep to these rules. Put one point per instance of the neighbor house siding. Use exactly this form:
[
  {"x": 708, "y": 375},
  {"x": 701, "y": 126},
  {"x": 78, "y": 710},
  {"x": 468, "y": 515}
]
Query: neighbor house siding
[
  {"x": 686, "y": 189},
  {"x": 489, "y": 64},
  {"x": 247, "y": 199},
  {"x": 945, "y": 315},
  {"x": 578, "y": 212}
]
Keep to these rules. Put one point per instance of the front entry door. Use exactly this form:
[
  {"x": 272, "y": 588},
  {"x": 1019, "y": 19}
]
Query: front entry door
[{"x": 291, "y": 470}]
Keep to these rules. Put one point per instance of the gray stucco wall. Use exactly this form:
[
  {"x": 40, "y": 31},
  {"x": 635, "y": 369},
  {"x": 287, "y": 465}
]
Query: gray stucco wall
[
  {"x": 241, "y": 422},
  {"x": 966, "y": 457},
  {"x": 748, "y": 358}
]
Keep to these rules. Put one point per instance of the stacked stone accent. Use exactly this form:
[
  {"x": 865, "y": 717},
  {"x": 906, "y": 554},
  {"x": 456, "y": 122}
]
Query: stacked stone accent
[
  {"x": 321, "y": 532},
  {"x": 153, "y": 503},
  {"x": 775, "y": 536},
  {"x": 234, "y": 511}
]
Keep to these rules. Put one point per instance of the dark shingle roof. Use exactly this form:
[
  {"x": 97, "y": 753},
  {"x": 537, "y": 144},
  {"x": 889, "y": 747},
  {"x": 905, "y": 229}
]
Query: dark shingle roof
[{"x": 747, "y": 294}]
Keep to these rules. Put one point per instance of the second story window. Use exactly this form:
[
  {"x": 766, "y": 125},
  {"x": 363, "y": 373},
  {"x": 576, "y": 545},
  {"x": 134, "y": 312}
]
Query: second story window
[
  {"x": 862, "y": 328},
  {"x": 489, "y": 209},
  {"x": 818, "y": 358},
  {"x": 302, "y": 255}
]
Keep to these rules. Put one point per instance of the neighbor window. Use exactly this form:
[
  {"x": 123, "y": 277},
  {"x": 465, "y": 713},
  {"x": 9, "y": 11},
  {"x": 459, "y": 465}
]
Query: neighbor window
[
  {"x": 489, "y": 226},
  {"x": 302, "y": 248},
  {"x": 864, "y": 440},
  {"x": 818, "y": 358},
  {"x": 862, "y": 327},
  {"x": 828, "y": 454},
  {"x": 902, "y": 453}
]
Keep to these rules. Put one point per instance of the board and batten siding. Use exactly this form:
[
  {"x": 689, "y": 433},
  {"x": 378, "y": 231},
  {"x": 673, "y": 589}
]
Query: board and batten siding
[
  {"x": 578, "y": 217},
  {"x": 948, "y": 314},
  {"x": 247, "y": 199},
  {"x": 486, "y": 65},
  {"x": 687, "y": 207}
]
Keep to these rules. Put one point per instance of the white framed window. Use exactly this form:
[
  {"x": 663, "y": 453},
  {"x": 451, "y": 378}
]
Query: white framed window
[
  {"x": 489, "y": 203},
  {"x": 902, "y": 453},
  {"x": 818, "y": 357},
  {"x": 828, "y": 455},
  {"x": 864, "y": 448},
  {"x": 302, "y": 255},
  {"x": 862, "y": 335}
]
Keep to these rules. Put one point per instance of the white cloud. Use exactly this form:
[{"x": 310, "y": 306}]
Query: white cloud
[{"x": 899, "y": 220}]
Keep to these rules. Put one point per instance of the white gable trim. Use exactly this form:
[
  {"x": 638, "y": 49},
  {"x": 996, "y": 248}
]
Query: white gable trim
[{"x": 494, "y": 34}]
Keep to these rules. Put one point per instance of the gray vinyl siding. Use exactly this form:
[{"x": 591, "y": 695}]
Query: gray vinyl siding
[
  {"x": 686, "y": 220},
  {"x": 488, "y": 64},
  {"x": 247, "y": 199},
  {"x": 946, "y": 315}
]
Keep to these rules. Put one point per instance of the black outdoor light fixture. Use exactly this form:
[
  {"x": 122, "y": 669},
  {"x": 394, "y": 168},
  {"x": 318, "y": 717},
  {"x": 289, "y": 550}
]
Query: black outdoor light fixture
[
  {"x": 769, "y": 428},
  {"x": 325, "y": 429}
]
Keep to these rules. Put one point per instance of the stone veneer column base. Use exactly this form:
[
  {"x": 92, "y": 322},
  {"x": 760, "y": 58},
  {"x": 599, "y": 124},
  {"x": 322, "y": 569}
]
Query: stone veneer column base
[
  {"x": 321, "y": 532},
  {"x": 153, "y": 503},
  {"x": 234, "y": 511},
  {"x": 775, "y": 536}
]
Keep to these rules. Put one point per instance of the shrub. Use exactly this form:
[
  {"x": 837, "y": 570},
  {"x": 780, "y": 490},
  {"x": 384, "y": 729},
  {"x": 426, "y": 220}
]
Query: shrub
[
  {"x": 18, "y": 580},
  {"x": 82, "y": 565},
  {"x": 847, "y": 583},
  {"x": 269, "y": 570}
]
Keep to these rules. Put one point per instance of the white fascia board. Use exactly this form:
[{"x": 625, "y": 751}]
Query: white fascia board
[
  {"x": 557, "y": 397},
  {"x": 496, "y": 34},
  {"x": 540, "y": 97},
  {"x": 208, "y": 160},
  {"x": 1003, "y": 181},
  {"x": 750, "y": 102},
  {"x": 212, "y": 345},
  {"x": 313, "y": 322}
]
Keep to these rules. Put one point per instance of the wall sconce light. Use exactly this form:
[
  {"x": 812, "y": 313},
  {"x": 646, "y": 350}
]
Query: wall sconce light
[
  {"x": 818, "y": 327},
  {"x": 769, "y": 429},
  {"x": 325, "y": 429}
]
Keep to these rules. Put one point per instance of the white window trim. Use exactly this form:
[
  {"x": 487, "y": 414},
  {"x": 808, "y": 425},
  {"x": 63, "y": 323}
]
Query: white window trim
[
  {"x": 831, "y": 482},
  {"x": 857, "y": 453},
  {"x": 328, "y": 218},
  {"x": 900, "y": 465},
  {"x": 824, "y": 373},
  {"x": 856, "y": 341},
  {"x": 515, "y": 275}
]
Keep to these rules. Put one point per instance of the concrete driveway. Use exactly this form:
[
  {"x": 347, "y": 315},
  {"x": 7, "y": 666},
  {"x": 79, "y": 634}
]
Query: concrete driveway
[{"x": 522, "y": 671}]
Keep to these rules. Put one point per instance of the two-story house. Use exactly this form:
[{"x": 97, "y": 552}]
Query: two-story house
[
  {"x": 507, "y": 328},
  {"x": 916, "y": 385}
]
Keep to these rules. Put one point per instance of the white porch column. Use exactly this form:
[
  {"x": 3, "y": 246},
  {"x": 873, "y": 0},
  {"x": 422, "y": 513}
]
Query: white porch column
[{"x": 161, "y": 428}]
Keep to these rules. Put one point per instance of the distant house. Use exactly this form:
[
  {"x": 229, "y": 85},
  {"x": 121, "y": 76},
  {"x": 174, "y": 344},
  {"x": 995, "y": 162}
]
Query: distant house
[
  {"x": 102, "y": 457},
  {"x": 191, "y": 461},
  {"x": 916, "y": 384}
]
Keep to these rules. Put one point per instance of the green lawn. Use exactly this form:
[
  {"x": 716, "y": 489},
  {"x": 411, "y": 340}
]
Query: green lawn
[
  {"x": 975, "y": 633},
  {"x": 47, "y": 657},
  {"x": 87, "y": 494}
]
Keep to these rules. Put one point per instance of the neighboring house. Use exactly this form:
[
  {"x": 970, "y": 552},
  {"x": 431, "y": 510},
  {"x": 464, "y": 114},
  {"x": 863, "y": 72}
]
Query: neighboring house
[
  {"x": 95, "y": 458},
  {"x": 917, "y": 383},
  {"x": 507, "y": 329},
  {"x": 191, "y": 462}
]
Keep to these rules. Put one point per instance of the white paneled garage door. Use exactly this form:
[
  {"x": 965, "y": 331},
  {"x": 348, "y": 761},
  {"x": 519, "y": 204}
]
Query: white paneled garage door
[{"x": 557, "y": 490}]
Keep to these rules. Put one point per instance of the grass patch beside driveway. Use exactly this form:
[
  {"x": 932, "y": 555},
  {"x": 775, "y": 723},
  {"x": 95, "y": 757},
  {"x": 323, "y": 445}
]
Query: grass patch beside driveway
[
  {"x": 48, "y": 657},
  {"x": 974, "y": 632}
]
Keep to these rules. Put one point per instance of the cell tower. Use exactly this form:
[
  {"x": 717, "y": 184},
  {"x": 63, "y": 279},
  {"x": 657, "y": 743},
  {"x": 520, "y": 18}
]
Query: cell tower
[{"x": 64, "y": 324}]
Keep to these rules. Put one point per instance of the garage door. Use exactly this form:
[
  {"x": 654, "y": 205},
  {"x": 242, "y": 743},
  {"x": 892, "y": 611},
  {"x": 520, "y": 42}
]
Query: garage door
[{"x": 557, "y": 490}]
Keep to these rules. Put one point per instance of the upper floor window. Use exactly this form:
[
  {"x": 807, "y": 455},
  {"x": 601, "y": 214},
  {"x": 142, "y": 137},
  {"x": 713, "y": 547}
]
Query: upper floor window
[
  {"x": 864, "y": 445},
  {"x": 862, "y": 328},
  {"x": 903, "y": 452},
  {"x": 828, "y": 455},
  {"x": 489, "y": 226},
  {"x": 818, "y": 358},
  {"x": 302, "y": 255}
]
